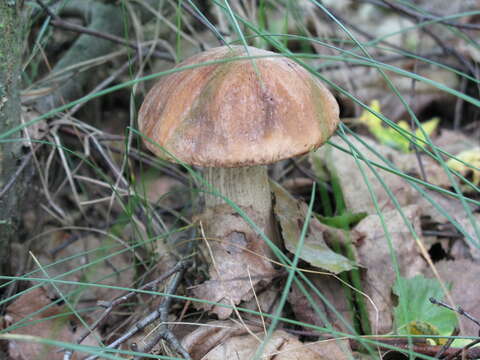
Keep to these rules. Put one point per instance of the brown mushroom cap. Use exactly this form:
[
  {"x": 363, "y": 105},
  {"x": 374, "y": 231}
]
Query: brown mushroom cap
[{"x": 238, "y": 113}]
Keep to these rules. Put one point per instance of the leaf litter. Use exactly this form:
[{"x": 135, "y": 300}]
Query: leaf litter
[
  {"x": 231, "y": 248},
  {"x": 35, "y": 314},
  {"x": 222, "y": 340}
]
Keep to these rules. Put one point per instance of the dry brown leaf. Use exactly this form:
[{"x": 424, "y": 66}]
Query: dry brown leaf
[
  {"x": 354, "y": 188},
  {"x": 374, "y": 254},
  {"x": 370, "y": 85},
  {"x": 454, "y": 142},
  {"x": 227, "y": 341},
  {"x": 281, "y": 346},
  {"x": 266, "y": 301},
  {"x": 208, "y": 336},
  {"x": 114, "y": 270},
  {"x": 463, "y": 275},
  {"x": 468, "y": 227},
  {"x": 38, "y": 325},
  {"x": 332, "y": 290},
  {"x": 455, "y": 209},
  {"x": 233, "y": 247},
  {"x": 355, "y": 191},
  {"x": 332, "y": 349}
]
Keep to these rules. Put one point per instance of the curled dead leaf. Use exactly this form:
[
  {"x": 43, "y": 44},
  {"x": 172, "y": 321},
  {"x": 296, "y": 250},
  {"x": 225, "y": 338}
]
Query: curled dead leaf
[
  {"x": 291, "y": 214},
  {"x": 240, "y": 260}
]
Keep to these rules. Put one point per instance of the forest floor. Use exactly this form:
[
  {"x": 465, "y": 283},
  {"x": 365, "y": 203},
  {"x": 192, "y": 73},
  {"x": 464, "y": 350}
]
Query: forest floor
[{"x": 377, "y": 233}]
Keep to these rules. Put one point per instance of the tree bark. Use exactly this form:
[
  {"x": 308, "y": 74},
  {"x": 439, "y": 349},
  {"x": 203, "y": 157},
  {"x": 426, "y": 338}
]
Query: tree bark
[{"x": 10, "y": 150}]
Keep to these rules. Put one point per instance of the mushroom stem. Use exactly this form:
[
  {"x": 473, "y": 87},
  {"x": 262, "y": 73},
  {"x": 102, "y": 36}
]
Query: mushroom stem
[{"x": 247, "y": 187}]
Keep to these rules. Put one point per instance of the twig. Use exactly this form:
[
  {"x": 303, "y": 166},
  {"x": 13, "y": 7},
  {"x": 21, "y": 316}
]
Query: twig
[
  {"x": 447, "y": 345},
  {"x": 422, "y": 17},
  {"x": 164, "y": 332},
  {"x": 161, "y": 312},
  {"x": 446, "y": 234},
  {"x": 65, "y": 25},
  {"x": 105, "y": 83},
  {"x": 458, "y": 310},
  {"x": 388, "y": 59},
  {"x": 134, "y": 153},
  {"x": 465, "y": 352},
  {"x": 466, "y": 65}
]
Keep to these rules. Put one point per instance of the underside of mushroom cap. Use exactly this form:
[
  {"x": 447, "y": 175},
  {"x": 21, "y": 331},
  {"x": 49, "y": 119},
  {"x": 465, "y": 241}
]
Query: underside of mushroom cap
[{"x": 237, "y": 111}]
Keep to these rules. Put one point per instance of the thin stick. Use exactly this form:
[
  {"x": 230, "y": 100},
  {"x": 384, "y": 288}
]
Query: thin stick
[
  {"x": 458, "y": 310},
  {"x": 164, "y": 332}
]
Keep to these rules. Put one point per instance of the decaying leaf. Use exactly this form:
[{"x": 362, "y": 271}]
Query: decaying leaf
[
  {"x": 337, "y": 313},
  {"x": 265, "y": 301},
  {"x": 233, "y": 247},
  {"x": 291, "y": 215},
  {"x": 157, "y": 187},
  {"x": 356, "y": 193},
  {"x": 40, "y": 318},
  {"x": 471, "y": 228},
  {"x": 454, "y": 142},
  {"x": 230, "y": 341},
  {"x": 457, "y": 220},
  {"x": 116, "y": 270},
  {"x": 375, "y": 256},
  {"x": 202, "y": 340},
  {"x": 35, "y": 131}
]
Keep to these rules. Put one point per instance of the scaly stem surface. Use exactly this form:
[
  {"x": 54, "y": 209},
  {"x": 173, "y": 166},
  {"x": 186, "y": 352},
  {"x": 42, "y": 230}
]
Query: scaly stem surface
[{"x": 247, "y": 187}]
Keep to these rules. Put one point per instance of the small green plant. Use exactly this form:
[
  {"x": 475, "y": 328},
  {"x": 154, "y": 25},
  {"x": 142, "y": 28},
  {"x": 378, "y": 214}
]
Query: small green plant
[{"x": 415, "y": 315}]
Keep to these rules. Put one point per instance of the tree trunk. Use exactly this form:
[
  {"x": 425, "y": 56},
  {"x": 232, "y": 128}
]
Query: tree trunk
[{"x": 10, "y": 151}]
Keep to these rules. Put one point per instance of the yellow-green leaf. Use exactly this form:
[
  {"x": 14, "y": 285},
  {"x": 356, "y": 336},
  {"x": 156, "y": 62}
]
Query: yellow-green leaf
[
  {"x": 471, "y": 157},
  {"x": 390, "y": 136}
]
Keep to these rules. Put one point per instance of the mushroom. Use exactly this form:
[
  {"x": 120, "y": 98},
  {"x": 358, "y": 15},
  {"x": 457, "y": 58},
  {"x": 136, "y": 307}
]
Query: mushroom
[{"x": 232, "y": 117}]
